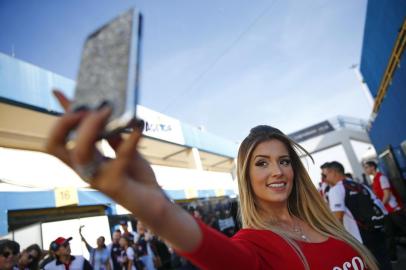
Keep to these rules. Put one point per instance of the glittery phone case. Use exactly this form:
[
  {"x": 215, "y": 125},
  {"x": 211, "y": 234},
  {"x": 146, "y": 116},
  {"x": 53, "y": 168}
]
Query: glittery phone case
[{"x": 110, "y": 69}]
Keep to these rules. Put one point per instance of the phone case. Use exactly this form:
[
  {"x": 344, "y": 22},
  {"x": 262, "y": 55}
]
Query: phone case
[{"x": 110, "y": 69}]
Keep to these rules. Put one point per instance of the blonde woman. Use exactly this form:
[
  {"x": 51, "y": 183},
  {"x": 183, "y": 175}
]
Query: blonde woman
[{"x": 286, "y": 225}]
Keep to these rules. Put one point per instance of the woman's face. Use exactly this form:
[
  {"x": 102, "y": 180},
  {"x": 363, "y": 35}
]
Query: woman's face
[
  {"x": 100, "y": 242},
  {"x": 27, "y": 257},
  {"x": 271, "y": 173}
]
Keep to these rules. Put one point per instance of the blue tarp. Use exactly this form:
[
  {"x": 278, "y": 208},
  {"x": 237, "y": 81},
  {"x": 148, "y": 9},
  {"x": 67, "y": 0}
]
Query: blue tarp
[
  {"x": 384, "y": 19},
  {"x": 383, "y": 22},
  {"x": 28, "y": 84}
]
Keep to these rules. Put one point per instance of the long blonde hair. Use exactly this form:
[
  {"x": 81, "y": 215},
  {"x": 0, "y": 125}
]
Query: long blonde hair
[{"x": 304, "y": 201}]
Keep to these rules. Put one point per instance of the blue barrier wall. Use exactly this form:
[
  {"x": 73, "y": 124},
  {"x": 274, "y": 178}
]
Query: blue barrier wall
[
  {"x": 389, "y": 126},
  {"x": 23, "y": 82},
  {"x": 208, "y": 142},
  {"x": 383, "y": 21},
  {"x": 382, "y": 24},
  {"x": 45, "y": 199},
  {"x": 28, "y": 84}
]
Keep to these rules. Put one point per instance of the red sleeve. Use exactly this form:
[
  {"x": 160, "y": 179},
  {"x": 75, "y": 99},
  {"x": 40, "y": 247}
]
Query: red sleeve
[{"x": 216, "y": 251}]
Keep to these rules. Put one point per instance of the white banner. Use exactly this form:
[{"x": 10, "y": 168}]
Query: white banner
[{"x": 160, "y": 126}]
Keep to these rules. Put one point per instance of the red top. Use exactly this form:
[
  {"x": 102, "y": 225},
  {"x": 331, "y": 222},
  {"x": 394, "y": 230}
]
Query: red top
[
  {"x": 376, "y": 186},
  {"x": 262, "y": 249},
  {"x": 380, "y": 183}
]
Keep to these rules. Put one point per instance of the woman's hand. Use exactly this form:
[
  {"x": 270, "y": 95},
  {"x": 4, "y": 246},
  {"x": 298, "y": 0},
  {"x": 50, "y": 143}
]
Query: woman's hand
[
  {"x": 80, "y": 230},
  {"x": 111, "y": 176},
  {"x": 84, "y": 151},
  {"x": 128, "y": 179}
]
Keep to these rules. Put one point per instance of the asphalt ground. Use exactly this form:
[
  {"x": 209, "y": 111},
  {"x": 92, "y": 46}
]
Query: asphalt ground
[{"x": 401, "y": 263}]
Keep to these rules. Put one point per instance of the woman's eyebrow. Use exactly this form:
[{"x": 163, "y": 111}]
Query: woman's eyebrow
[
  {"x": 266, "y": 156},
  {"x": 261, "y": 156}
]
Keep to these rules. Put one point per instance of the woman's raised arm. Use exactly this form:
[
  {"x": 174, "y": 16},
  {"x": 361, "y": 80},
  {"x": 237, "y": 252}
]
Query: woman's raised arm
[{"x": 128, "y": 179}]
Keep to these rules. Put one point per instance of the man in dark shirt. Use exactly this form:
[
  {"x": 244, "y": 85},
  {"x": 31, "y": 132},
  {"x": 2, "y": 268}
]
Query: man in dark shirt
[
  {"x": 126, "y": 233},
  {"x": 115, "y": 250}
]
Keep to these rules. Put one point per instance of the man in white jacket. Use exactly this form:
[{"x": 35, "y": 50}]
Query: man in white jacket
[{"x": 63, "y": 259}]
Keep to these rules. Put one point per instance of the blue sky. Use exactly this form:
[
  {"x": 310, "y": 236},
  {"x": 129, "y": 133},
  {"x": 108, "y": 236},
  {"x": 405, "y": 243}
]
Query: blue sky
[{"x": 226, "y": 65}]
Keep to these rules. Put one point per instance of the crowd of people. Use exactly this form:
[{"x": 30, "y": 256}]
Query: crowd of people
[
  {"x": 220, "y": 214},
  {"x": 138, "y": 250},
  {"x": 11, "y": 257},
  {"x": 373, "y": 214},
  {"x": 129, "y": 250}
]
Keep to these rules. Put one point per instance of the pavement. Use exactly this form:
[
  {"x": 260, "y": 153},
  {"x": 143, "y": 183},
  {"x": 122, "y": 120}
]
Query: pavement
[{"x": 401, "y": 263}]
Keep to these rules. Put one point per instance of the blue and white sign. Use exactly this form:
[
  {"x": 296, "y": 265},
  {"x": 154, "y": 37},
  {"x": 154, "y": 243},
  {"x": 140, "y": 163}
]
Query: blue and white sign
[{"x": 160, "y": 126}]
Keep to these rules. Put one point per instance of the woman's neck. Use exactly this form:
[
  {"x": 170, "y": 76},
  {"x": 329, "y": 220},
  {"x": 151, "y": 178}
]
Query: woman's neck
[{"x": 277, "y": 213}]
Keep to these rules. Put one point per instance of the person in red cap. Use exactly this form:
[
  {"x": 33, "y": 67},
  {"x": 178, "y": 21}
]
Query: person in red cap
[{"x": 63, "y": 259}]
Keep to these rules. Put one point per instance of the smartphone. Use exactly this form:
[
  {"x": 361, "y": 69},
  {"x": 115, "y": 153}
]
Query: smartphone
[{"x": 109, "y": 70}]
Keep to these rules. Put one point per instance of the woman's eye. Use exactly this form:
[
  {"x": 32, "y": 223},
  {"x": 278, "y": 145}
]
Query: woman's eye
[
  {"x": 285, "y": 162},
  {"x": 261, "y": 163}
]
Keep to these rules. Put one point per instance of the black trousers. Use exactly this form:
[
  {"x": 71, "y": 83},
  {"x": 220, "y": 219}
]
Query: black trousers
[
  {"x": 395, "y": 225},
  {"x": 375, "y": 241}
]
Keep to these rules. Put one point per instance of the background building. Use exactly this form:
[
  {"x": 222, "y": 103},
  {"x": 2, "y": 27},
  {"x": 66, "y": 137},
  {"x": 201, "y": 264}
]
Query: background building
[
  {"x": 35, "y": 187},
  {"x": 383, "y": 68},
  {"x": 343, "y": 139}
]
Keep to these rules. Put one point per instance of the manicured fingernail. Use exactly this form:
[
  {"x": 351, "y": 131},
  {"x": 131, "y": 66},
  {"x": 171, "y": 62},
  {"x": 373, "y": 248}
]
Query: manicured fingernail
[
  {"x": 105, "y": 103},
  {"x": 105, "y": 110},
  {"x": 140, "y": 124},
  {"x": 56, "y": 91},
  {"x": 81, "y": 108}
]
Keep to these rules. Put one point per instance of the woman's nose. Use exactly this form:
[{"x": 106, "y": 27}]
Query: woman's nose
[{"x": 275, "y": 170}]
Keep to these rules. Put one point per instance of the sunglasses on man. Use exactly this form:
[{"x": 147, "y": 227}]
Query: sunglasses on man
[{"x": 7, "y": 254}]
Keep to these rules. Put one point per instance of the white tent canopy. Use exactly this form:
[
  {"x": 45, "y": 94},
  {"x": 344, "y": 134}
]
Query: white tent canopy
[
  {"x": 24, "y": 170},
  {"x": 36, "y": 170}
]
